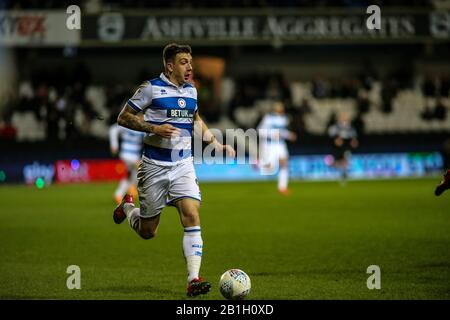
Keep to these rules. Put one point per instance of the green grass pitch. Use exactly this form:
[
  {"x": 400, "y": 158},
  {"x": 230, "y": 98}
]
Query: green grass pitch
[{"x": 315, "y": 244}]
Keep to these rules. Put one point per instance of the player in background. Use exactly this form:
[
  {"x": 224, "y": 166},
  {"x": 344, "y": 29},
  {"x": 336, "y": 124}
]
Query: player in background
[
  {"x": 443, "y": 185},
  {"x": 129, "y": 151},
  {"x": 166, "y": 174},
  {"x": 273, "y": 132},
  {"x": 344, "y": 139}
]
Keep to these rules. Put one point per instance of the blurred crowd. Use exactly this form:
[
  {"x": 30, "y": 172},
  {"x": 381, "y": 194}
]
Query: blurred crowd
[
  {"x": 435, "y": 88},
  {"x": 52, "y": 95},
  {"x": 56, "y": 94}
]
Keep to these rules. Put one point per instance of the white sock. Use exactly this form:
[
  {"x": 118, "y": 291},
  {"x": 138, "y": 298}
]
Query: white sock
[
  {"x": 193, "y": 249},
  {"x": 122, "y": 188},
  {"x": 132, "y": 215},
  {"x": 283, "y": 177}
]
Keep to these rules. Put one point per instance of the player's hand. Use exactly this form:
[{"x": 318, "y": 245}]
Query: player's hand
[
  {"x": 292, "y": 136},
  {"x": 166, "y": 131},
  {"x": 229, "y": 151},
  {"x": 354, "y": 143},
  {"x": 338, "y": 142}
]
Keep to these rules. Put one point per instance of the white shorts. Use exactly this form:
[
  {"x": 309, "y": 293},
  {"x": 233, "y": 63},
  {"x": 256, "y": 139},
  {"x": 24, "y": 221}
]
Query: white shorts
[
  {"x": 160, "y": 185},
  {"x": 129, "y": 159},
  {"x": 273, "y": 152}
]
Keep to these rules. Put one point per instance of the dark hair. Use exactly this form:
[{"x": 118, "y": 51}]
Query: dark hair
[{"x": 172, "y": 49}]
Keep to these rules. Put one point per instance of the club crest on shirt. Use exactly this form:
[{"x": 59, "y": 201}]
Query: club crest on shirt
[{"x": 181, "y": 103}]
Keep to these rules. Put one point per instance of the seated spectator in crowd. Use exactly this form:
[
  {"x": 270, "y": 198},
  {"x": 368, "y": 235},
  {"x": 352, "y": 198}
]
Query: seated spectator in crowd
[
  {"x": 7, "y": 130},
  {"x": 440, "y": 111},
  {"x": 298, "y": 117},
  {"x": 429, "y": 88},
  {"x": 444, "y": 88}
]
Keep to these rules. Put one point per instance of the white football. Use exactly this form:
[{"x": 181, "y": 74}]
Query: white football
[{"x": 235, "y": 284}]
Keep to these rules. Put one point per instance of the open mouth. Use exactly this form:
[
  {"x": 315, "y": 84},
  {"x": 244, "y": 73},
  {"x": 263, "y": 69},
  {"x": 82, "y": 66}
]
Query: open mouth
[{"x": 187, "y": 76}]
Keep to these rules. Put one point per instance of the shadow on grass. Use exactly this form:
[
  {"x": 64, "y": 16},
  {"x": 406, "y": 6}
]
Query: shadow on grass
[
  {"x": 443, "y": 264},
  {"x": 145, "y": 292},
  {"x": 304, "y": 272},
  {"x": 29, "y": 297},
  {"x": 134, "y": 290}
]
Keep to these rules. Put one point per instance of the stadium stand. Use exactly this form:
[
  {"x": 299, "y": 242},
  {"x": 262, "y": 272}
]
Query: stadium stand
[
  {"x": 71, "y": 94},
  {"x": 406, "y": 115}
]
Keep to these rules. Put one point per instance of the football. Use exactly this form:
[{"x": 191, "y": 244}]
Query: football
[{"x": 235, "y": 284}]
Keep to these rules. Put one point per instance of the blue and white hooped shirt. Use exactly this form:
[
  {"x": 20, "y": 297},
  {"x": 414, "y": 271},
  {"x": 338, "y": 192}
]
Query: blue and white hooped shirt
[
  {"x": 130, "y": 142},
  {"x": 273, "y": 125},
  {"x": 162, "y": 102}
]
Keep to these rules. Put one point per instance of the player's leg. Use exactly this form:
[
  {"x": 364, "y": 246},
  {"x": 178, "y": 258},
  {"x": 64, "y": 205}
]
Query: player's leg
[
  {"x": 153, "y": 186},
  {"x": 283, "y": 174},
  {"x": 192, "y": 245},
  {"x": 345, "y": 164},
  {"x": 126, "y": 183},
  {"x": 264, "y": 161},
  {"x": 443, "y": 185},
  {"x": 340, "y": 162},
  {"x": 121, "y": 190},
  {"x": 192, "y": 239},
  {"x": 132, "y": 179},
  {"x": 341, "y": 166},
  {"x": 146, "y": 227},
  {"x": 184, "y": 194}
]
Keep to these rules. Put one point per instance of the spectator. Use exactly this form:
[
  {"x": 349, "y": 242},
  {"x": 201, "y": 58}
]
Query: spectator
[
  {"x": 52, "y": 121},
  {"x": 362, "y": 102},
  {"x": 320, "y": 88},
  {"x": 368, "y": 76},
  {"x": 298, "y": 117},
  {"x": 444, "y": 88},
  {"x": 7, "y": 130},
  {"x": 429, "y": 88},
  {"x": 388, "y": 93},
  {"x": 440, "y": 111},
  {"x": 358, "y": 125},
  {"x": 278, "y": 89}
]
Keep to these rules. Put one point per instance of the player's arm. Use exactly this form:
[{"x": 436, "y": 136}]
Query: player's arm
[
  {"x": 333, "y": 134},
  {"x": 130, "y": 118},
  {"x": 131, "y": 114},
  {"x": 114, "y": 139},
  {"x": 266, "y": 131},
  {"x": 354, "y": 141},
  {"x": 338, "y": 141},
  {"x": 209, "y": 138},
  {"x": 288, "y": 135}
]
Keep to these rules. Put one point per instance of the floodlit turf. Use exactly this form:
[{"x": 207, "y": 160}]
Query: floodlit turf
[{"x": 315, "y": 244}]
